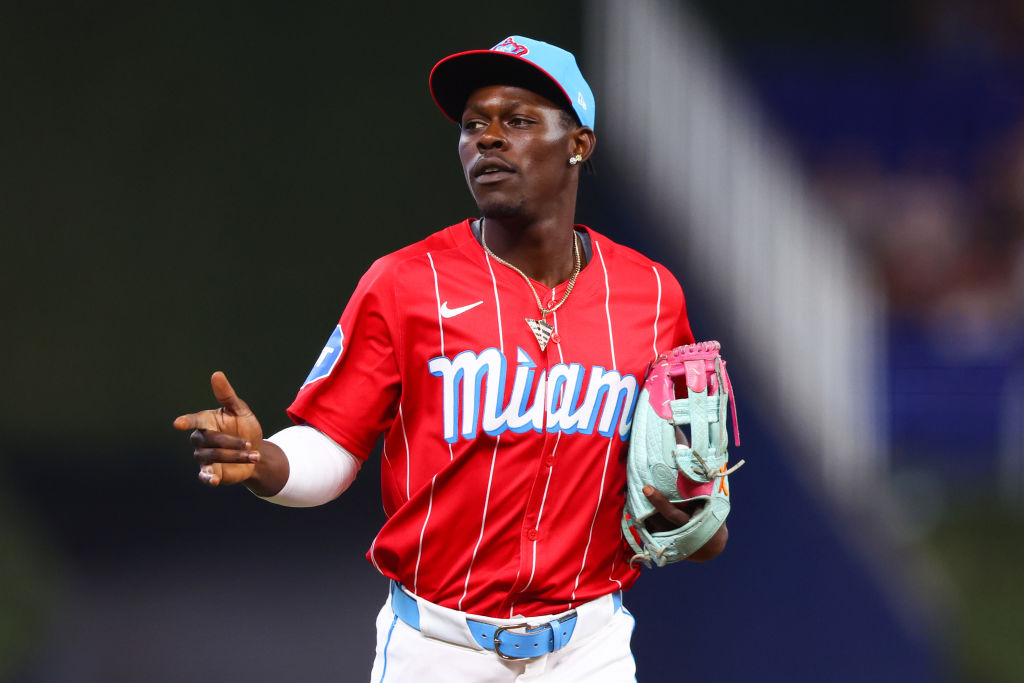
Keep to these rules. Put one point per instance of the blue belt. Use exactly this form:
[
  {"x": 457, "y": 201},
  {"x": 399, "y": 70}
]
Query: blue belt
[{"x": 536, "y": 641}]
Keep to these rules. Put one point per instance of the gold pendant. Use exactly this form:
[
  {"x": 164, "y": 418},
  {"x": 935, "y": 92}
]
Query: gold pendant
[{"x": 541, "y": 330}]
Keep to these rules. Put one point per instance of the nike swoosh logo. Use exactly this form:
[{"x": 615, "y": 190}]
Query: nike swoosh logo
[{"x": 452, "y": 312}]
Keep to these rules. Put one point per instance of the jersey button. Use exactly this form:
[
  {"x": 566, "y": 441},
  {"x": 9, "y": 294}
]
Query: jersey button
[
  {"x": 549, "y": 460},
  {"x": 532, "y": 534}
]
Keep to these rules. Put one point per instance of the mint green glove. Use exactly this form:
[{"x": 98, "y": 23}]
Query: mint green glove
[{"x": 693, "y": 474}]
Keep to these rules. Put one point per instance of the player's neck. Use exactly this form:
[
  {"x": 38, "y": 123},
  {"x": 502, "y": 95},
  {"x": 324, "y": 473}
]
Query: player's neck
[{"x": 543, "y": 250}]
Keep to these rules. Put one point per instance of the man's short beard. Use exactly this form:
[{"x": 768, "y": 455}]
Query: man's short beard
[{"x": 501, "y": 209}]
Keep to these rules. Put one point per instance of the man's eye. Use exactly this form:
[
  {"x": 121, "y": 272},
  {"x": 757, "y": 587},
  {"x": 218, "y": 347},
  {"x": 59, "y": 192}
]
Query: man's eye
[
  {"x": 472, "y": 125},
  {"x": 519, "y": 121}
]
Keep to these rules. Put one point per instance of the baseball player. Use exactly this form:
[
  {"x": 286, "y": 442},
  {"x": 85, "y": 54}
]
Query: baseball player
[{"x": 501, "y": 359}]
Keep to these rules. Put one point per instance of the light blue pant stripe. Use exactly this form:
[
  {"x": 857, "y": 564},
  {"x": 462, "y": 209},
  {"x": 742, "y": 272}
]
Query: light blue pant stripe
[
  {"x": 632, "y": 630},
  {"x": 384, "y": 669}
]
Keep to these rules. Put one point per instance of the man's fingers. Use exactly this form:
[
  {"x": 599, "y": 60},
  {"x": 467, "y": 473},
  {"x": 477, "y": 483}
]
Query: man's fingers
[
  {"x": 207, "y": 456},
  {"x": 204, "y": 419},
  {"x": 665, "y": 508},
  {"x": 211, "y": 419},
  {"x": 204, "y": 438},
  {"x": 209, "y": 475},
  {"x": 226, "y": 395}
]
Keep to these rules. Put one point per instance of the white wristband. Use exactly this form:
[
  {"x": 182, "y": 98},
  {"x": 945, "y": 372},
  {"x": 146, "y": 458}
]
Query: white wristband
[{"x": 318, "y": 468}]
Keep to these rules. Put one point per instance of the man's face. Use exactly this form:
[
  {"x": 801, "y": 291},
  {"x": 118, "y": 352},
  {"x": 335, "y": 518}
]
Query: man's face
[{"x": 515, "y": 149}]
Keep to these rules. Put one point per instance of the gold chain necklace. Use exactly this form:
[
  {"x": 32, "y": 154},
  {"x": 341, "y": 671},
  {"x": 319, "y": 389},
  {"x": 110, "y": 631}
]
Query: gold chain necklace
[{"x": 541, "y": 328}]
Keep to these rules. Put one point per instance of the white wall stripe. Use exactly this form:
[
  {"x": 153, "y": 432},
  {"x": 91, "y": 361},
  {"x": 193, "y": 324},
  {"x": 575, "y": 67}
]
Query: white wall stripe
[{"x": 735, "y": 177}]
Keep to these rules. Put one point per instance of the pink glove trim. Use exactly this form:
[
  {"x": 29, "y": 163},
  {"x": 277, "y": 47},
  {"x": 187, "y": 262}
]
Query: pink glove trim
[{"x": 699, "y": 377}]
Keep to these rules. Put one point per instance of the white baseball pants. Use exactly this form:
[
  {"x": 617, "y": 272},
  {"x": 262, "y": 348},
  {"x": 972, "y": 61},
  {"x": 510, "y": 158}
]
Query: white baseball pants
[{"x": 598, "y": 651}]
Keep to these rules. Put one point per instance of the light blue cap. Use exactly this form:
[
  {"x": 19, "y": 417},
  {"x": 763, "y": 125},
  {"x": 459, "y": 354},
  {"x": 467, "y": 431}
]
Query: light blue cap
[{"x": 532, "y": 64}]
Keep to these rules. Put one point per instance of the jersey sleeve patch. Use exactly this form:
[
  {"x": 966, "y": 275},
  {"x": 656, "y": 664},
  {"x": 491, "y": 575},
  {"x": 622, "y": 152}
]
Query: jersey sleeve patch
[{"x": 324, "y": 365}]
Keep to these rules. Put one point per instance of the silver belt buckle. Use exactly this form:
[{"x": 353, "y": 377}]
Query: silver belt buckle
[{"x": 497, "y": 641}]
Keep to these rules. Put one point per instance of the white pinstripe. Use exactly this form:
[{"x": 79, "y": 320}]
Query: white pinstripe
[
  {"x": 497, "y": 304},
  {"x": 607, "y": 302},
  {"x": 373, "y": 550},
  {"x": 657, "y": 318},
  {"x": 384, "y": 454},
  {"x": 657, "y": 312},
  {"x": 590, "y": 535},
  {"x": 437, "y": 298},
  {"x": 451, "y": 455},
  {"x": 558, "y": 439},
  {"x": 440, "y": 326},
  {"x": 497, "y": 442},
  {"x": 408, "y": 458},
  {"x": 483, "y": 522},
  {"x": 373, "y": 546},
  {"x": 540, "y": 515},
  {"x": 423, "y": 530},
  {"x": 608, "y": 450},
  {"x": 611, "y": 573}
]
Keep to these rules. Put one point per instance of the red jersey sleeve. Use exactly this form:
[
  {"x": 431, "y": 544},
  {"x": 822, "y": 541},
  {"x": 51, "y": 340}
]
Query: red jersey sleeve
[{"x": 352, "y": 392}]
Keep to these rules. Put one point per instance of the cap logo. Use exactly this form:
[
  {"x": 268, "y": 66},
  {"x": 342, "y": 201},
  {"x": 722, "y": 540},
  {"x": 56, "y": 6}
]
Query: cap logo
[
  {"x": 510, "y": 46},
  {"x": 579, "y": 98}
]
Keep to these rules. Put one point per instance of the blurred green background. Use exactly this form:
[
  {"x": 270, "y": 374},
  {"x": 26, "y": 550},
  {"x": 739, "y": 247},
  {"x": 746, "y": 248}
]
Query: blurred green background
[
  {"x": 198, "y": 186},
  {"x": 191, "y": 187}
]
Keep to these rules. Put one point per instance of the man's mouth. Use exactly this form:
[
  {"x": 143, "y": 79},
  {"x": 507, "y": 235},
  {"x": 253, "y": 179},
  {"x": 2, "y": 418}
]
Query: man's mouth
[{"x": 491, "y": 169}]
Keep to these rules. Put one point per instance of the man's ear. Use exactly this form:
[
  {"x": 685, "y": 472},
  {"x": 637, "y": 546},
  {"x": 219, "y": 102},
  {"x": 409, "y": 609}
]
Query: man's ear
[{"x": 584, "y": 141}]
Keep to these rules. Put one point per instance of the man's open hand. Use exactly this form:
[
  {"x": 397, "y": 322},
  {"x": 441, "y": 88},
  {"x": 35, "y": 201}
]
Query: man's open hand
[{"x": 226, "y": 440}]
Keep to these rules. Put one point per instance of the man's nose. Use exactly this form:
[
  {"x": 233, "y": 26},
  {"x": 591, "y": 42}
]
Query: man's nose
[{"x": 492, "y": 137}]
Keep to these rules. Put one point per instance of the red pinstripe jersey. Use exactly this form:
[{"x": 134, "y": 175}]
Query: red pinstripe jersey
[{"x": 503, "y": 465}]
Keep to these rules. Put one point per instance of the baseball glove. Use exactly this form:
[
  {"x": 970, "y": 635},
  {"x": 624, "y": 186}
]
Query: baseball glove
[{"x": 695, "y": 473}]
